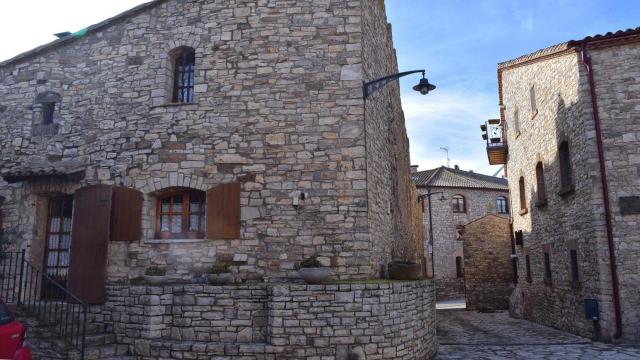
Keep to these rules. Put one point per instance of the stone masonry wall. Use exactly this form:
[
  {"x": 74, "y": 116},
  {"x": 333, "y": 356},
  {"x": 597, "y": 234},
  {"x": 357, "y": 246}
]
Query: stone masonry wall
[
  {"x": 446, "y": 246},
  {"x": 574, "y": 220},
  {"x": 278, "y": 96},
  {"x": 280, "y": 321},
  {"x": 617, "y": 77},
  {"x": 487, "y": 263}
]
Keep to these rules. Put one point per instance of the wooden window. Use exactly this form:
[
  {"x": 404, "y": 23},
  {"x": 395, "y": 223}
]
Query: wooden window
[
  {"x": 459, "y": 269},
  {"x": 523, "y": 196},
  {"x": 547, "y": 267},
  {"x": 501, "y": 205},
  {"x": 48, "y": 110},
  {"x": 223, "y": 212},
  {"x": 458, "y": 204},
  {"x": 542, "y": 192},
  {"x": 566, "y": 175},
  {"x": 184, "y": 75},
  {"x": 57, "y": 245},
  {"x": 181, "y": 215},
  {"x": 575, "y": 275},
  {"x": 527, "y": 264},
  {"x": 534, "y": 104}
]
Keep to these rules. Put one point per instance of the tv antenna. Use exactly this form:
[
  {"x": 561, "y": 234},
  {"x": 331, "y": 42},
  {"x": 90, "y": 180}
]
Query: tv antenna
[{"x": 446, "y": 150}]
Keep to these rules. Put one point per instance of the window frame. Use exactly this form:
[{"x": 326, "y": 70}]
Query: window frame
[
  {"x": 185, "y": 215},
  {"x": 541, "y": 186},
  {"x": 533, "y": 100},
  {"x": 506, "y": 205},
  {"x": 548, "y": 271},
  {"x": 565, "y": 168},
  {"x": 459, "y": 268},
  {"x": 516, "y": 122},
  {"x": 522, "y": 195},
  {"x": 574, "y": 266},
  {"x": 455, "y": 207},
  {"x": 48, "y": 110},
  {"x": 183, "y": 55},
  {"x": 527, "y": 264}
]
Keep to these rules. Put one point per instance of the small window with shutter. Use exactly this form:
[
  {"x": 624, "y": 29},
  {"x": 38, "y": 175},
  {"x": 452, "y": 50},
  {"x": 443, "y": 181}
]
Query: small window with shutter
[{"x": 181, "y": 214}]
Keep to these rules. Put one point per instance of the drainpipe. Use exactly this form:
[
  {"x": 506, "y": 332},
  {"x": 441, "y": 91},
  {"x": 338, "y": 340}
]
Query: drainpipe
[{"x": 586, "y": 60}]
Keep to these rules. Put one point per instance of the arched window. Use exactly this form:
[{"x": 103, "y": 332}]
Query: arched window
[
  {"x": 458, "y": 204},
  {"x": 459, "y": 268},
  {"x": 566, "y": 176},
  {"x": 181, "y": 214},
  {"x": 502, "y": 206},
  {"x": 523, "y": 196},
  {"x": 542, "y": 190},
  {"x": 184, "y": 60}
]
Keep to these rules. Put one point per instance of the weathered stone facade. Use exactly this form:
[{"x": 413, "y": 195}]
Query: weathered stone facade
[
  {"x": 480, "y": 199},
  {"x": 278, "y": 108},
  {"x": 571, "y": 221},
  {"x": 488, "y": 273}
]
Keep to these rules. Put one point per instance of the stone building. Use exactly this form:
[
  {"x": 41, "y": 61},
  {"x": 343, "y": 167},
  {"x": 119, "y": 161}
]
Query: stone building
[
  {"x": 184, "y": 133},
  {"x": 569, "y": 134},
  {"x": 465, "y": 196}
]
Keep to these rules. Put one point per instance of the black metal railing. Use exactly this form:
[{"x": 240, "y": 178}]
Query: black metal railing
[{"x": 36, "y": 294}]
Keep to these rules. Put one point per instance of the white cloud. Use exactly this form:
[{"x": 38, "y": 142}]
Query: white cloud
[{"x": 450, "y": 118}]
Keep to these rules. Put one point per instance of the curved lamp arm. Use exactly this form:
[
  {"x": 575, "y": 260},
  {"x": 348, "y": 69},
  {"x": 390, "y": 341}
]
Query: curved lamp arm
[{"x": 375, "y": 85}]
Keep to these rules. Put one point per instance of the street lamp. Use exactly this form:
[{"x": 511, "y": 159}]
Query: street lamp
[
  {"x": 428, "y": 195},
  {"x": 423, "y": 87}
]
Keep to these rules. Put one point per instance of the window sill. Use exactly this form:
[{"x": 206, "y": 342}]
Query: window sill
[
  {"x": 174, "y": 241},
  {"x": 174, "y": 104},
  {"x": 566, "y": 190},
  {"x": 523, "y": 211},
  {"x": 541, "y": 203}
]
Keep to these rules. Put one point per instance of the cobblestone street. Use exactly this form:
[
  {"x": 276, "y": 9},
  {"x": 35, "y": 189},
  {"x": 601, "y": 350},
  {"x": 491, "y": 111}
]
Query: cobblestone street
[{"x": 472, "y": 335}]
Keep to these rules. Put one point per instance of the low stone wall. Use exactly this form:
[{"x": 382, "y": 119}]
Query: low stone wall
[{"x": 273, "y": 321}]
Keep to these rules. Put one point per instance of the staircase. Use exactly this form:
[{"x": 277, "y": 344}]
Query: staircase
[{"x": 59, "y": 325}]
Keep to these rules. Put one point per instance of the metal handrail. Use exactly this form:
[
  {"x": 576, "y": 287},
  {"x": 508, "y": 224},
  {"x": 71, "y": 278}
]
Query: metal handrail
[{"x": 37, "y": 294}]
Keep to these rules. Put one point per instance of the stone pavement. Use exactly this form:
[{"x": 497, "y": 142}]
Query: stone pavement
[{"x": 491, "y": 336}]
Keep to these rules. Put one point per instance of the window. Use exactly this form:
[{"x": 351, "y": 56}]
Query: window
[
  {"x": 501, "y": 205},
  {"x": 527, "y": 264},
  {"x": 542, "y": 192},
  {"x": 48, "y": 110},
  {"x": 459, "y": 270},
  {"x": 547, "y": 268},
  {"x": 523, "y": 196},
  {"x": 516, "y": 121},
  {"x": 519, "y": 237},
  {"x": 181, "y": 214},
  {"x": 58, "y": 244},
  {"x": 566, "y": 176},
  {"x": 575, "y": 275},
  {"x": 184, "y": 75},
  {"x": 459, "y": 232},
  {"x": 532, "y": 97},
  {"x": 458, "y": 204}
]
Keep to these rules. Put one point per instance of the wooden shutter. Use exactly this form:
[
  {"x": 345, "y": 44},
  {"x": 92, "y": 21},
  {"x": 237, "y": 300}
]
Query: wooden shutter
[
  {"x": 89, "y": 243},
  {"x": 223, "y": 212},
  {"x": 126, "y": 214}
]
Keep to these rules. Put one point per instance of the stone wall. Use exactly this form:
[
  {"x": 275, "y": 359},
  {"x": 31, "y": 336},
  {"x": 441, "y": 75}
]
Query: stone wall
[
  {"x": 488, "y": 273},
  {"x": 447, "y": 246},
  {"x": 617, "y": 75},
  {"x": 278, "y": 96},
  {"x": 280, "y": 321}
]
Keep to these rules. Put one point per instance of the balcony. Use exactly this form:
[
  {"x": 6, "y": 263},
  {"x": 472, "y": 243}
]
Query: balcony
[
  {"x": 497, "y": 153},
  {"x": 497, "y": 149}
]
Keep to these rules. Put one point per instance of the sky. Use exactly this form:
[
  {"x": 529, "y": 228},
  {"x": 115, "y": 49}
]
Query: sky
[{"x": 458, "y": 42}]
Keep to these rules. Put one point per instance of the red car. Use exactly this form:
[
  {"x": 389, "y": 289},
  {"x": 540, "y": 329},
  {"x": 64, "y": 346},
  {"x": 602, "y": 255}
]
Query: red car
[{"x": 12, "y": 336}]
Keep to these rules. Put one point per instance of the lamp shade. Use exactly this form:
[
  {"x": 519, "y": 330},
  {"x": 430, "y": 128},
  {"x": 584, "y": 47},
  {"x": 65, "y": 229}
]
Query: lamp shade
[{"x": 424, "y": 87}]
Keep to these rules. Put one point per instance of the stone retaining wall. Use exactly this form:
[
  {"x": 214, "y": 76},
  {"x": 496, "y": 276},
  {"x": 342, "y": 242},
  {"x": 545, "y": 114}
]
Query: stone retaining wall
[{"x": 266, "y": 321}]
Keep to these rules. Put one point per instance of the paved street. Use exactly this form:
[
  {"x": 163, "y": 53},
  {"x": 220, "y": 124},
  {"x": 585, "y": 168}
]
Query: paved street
[{"x": 472, "y": 335}]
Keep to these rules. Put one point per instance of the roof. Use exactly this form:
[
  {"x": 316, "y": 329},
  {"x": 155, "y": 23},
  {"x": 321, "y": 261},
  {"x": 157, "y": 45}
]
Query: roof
[
  {"x": 71, "y": 171},
  {"x": 572, "y": 45},
  {"x": 82, "y": 33},
  {"x": 455, "y": 178}
]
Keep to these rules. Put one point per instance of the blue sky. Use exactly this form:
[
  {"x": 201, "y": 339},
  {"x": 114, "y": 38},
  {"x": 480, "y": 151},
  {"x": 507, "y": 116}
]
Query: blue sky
[{"x": 459, "y": 42}]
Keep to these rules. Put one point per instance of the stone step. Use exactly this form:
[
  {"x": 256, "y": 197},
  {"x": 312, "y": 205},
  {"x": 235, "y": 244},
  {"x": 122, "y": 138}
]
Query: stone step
[{"x": 100, "y": 339}]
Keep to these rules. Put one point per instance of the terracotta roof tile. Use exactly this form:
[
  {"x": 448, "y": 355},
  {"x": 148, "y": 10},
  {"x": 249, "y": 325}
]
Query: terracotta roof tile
[{"x": 448, "y": 177}]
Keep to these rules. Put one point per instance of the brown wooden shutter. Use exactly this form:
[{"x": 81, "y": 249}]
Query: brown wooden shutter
[
  {"x": 126, "y": 214},
  {"x": 223, "y": 212},
  {"x": 89, "y": 243}
]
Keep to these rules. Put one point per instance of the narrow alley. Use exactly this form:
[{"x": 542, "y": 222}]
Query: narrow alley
[{"x": 491, "y": 336}]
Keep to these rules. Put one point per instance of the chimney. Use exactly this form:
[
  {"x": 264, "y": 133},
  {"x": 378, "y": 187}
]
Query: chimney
[
  {"x": 414, "y": 169},
  {"x": 456, "y": 167}
]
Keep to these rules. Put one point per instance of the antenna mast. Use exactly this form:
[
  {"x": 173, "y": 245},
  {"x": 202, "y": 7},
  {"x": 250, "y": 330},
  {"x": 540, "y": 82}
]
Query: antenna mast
[{"x": 446, "y": 149}]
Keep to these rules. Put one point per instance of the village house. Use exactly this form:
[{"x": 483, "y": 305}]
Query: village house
[
  {"x": 462, "y": 197},
  {"x": 569, "y": 135},
  {"x": 184, "y": 134}
]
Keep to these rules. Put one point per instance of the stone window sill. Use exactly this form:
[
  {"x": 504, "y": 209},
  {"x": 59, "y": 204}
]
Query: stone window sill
[
  {"x": 174, "y": 104},
  {"x": 523, "y": 211},
  {"x": 174, "y": 241},
  {"x": 566, "y": 190}
]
